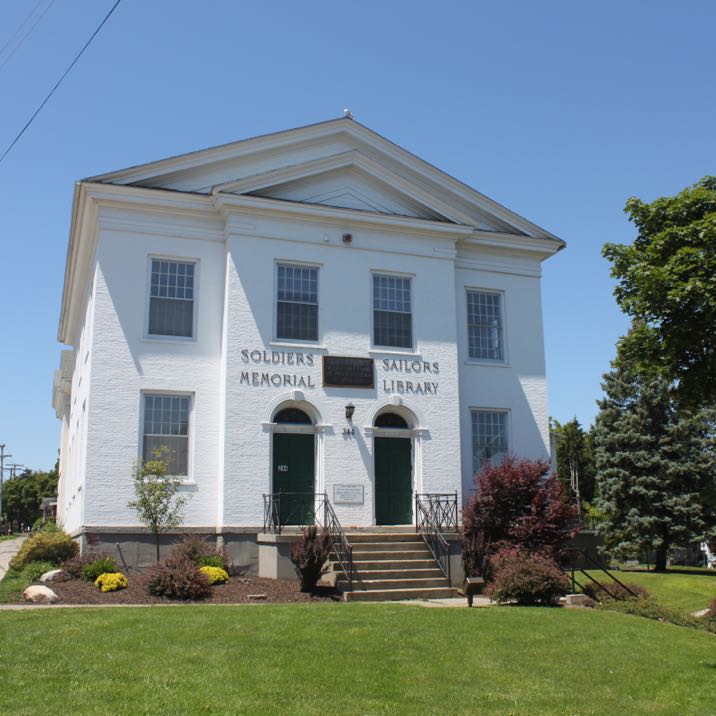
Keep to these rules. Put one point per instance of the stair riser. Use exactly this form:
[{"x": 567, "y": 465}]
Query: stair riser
[
  {"x": 387, "y": 546},
  {"x": 382, "y": 596},
  {"x": 401, "y": 555},
  {"x": 400, "y": 574},
  {"x": 357, "y": 537},
  {"x": 390, "y": 564},
  {"x": 370, "y": 586}
]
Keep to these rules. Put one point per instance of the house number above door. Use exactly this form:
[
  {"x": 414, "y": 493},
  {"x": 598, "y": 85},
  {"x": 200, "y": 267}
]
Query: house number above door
[{"x": 282, "y": 468}]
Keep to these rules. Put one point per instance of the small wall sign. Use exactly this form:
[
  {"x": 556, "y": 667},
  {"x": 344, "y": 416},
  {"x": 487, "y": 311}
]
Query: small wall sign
[{"x": 348, "y": 494}]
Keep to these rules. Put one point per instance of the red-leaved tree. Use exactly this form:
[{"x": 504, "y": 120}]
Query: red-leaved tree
[{"x": 516, "y": 504}]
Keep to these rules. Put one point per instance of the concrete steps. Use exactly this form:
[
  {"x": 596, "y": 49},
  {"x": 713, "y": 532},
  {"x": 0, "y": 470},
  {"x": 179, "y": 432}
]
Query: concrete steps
[{"x": 391, "y": 565}]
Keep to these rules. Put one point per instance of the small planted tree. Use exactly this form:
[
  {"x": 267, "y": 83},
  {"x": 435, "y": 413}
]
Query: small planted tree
[
  {"x": 157, "y": 504},
  {"x": 309, "y": 556},
  {"x": 517, "y": 504}
]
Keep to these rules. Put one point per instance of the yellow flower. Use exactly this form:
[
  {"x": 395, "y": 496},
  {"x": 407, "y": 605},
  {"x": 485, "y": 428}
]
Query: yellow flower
[
  {"x": 111, "y": 581},
  {"x": 215, "y": 575}
]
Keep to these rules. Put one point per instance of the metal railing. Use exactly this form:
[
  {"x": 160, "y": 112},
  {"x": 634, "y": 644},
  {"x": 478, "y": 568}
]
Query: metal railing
[
  {"x": 296, "y": 511},
  {"x": 569, "y": 566},
  {"x": 429, "y": 517},
  {"x": 443, "y": 506},
  {"x": 342, "y": 548}
]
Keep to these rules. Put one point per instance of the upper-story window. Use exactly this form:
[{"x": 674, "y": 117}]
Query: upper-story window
[
  {"x": 166, "y": 429},
  {"x": 392, "y": 312},
  {"x": 297, "y": 303},
  {"x": 171, "y": 299},
  {"x": 484, "y": 325},
  {"x": 489, "y": 437}
]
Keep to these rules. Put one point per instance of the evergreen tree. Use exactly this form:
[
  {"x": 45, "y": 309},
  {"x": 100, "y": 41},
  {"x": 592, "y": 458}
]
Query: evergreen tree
[{"x": 655, "y": 467}]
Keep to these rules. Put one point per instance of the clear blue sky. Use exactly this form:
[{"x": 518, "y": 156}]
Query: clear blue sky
[{"x": 559, "y": 110}]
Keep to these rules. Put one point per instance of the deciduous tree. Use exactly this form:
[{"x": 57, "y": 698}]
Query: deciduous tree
[{"x": 667, "y": 284}]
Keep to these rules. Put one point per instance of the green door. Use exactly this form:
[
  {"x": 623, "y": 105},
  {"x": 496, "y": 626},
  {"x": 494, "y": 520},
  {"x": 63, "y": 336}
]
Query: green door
[
  {"x": 393, "y": 481},
  {"x": 293, "y": 473}
]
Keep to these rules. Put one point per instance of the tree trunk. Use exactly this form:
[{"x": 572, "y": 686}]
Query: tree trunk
[
  {"x": 660, "y": 560},
  {"x": 156, "y": 537}
]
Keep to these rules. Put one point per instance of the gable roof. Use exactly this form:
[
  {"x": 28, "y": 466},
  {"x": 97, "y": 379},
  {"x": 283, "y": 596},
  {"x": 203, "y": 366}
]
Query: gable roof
[{"x": 367, "y": 172}]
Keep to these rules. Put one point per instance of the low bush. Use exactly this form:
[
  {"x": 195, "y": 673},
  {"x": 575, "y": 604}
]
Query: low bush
[
  {"x": 215, "y": 575},
  {"x": 54, "y": 547},
  {"x": 309, "y": 556},
  {"x": 712, "y": 609},
  {"x": 611, "y": 590},
  {"x": 527, "y": 578},
  {"x": 651, "y": 609},
  {"x": 32, "y": 571},
  {"x": 178, "y": 578},
  {"x": 102, "y": 565},
  {"x": 111, "y": 582},
  {"x": 72, "y": 568},
  {"x": 202, "y": 553},
  {"x": 47, "y": 526}
]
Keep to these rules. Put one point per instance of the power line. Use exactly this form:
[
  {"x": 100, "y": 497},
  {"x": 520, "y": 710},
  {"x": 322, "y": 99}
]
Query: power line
[
  {"x": 25, "y": 36},
  {"x": 59, "y": 82},
  {"x": 21, "y": 25}
]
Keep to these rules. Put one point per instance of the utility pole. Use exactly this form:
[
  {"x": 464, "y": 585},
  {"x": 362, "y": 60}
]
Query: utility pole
[
  {"x": 3, "y": 455},
  {"x": 12, "y": 469}
]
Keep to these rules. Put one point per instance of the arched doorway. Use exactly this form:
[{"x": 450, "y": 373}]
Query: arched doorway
[
  {"x": 393, "y": 470},
  {"x": 294, "y": 465}
]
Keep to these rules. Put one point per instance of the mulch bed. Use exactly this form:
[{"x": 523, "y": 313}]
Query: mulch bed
[{"x": 237, "y": 591}]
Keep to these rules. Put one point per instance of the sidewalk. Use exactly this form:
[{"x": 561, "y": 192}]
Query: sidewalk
[{"x": 8, "y": 549}]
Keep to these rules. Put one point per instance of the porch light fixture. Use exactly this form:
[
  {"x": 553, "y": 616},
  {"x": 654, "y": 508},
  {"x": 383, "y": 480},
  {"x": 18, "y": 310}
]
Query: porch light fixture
[{"x": 350, "y": 409}]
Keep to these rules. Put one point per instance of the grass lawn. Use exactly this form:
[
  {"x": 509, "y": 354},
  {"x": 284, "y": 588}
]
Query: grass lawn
[
  {"x": 688, "y": 592},
  {"x": 10, "y": 586},
  {"x": 350, "y": 659},
  {"x": 4, "y": 538}
]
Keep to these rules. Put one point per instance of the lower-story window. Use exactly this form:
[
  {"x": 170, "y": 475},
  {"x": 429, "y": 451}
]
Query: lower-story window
[
  {"x": 166, "y": 426},
  {"x": 489, "y": 437}
]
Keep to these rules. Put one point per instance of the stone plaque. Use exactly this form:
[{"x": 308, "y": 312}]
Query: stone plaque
[
  {"x": 345, "y": 372},
  {"x": 348, "y": 494}
]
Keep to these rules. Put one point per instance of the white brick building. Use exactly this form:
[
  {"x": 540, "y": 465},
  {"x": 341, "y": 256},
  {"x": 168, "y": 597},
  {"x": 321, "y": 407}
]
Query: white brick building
[{"x": 208, "y": 301}]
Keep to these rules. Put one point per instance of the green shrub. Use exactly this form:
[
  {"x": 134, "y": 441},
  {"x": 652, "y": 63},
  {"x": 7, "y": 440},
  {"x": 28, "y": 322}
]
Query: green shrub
[
  {"x": 54, "y": 547},
  {"x": 111, "y": 582},
  {"x": 215, "y": 575},
  {"x": 72, "y": 568},
  {"x": 528, "y": 578},
  {"x": 47, "y": 526},
  {"x": 102, "y": 565},
  {"x": 212, "y": 560},
  {"x": 310, "y": 555},
  {"x": 651, "y": 609},
  {"x": 32, "y": 571},
  {"x": 202, "y": 553},
  {"x": 178, "y": 578}
]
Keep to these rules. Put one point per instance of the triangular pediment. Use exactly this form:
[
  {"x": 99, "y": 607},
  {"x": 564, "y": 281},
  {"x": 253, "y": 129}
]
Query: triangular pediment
[{"x": 338, "y": 163}]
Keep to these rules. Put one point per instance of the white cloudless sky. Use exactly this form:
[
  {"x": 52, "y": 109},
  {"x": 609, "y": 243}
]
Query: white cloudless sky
[{"x": 558, "y": 110}]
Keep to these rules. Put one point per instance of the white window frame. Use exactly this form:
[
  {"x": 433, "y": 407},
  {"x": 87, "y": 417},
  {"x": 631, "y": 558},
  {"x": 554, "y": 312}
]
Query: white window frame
[
  {"x": 508, "y": 432},
  {"x": 147, "y": 336},
  {"x": 503, "y": 327},
  {"x": 377, "y": 347},
  {"x": 274, "y": 306},
  {"x": 187, "y": 479}
]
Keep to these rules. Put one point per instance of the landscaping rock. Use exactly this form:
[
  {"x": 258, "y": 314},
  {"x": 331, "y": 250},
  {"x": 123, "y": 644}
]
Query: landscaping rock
[
  {"x": 37, "y": 594},
  {"x": 578, "y": 600},
  {"x": 49, "y": 576},
  {"x": 257, "y": 596},
  {"x": 701, "y": 613}
]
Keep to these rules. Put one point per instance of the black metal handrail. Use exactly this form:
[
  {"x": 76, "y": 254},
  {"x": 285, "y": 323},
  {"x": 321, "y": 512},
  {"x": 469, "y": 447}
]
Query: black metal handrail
[
  {"x": 274, "y": 521},
  {"x": 341, "y": 546},
  {"x": 443, "y": 506},
  {"x": 428, "y": 526},
  {"x": 322, "y": 513},
  {"x": 572, "y": 552}
]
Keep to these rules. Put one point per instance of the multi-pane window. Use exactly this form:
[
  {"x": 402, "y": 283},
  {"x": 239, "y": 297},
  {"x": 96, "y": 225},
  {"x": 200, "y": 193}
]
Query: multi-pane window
[
  {"x": 489, "y": 437},
  {"x": 484, "y": 325},
  {"x": 297, "y": 303},
  {"x": 166, "y": 428},
  {"x": 392, "y": 313},
  {"x": 171, "y": 299}
]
